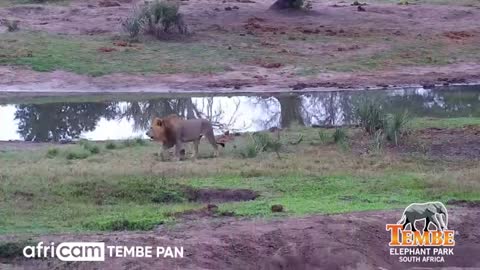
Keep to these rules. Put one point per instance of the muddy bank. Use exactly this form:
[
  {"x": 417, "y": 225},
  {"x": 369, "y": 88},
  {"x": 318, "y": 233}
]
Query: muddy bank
[
  {"x": 348, "y": 241},
  {"x": 23, "y": 82}
]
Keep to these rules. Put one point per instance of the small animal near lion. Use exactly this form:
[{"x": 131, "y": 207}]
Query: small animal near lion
[{"x": 173, "y": 130}]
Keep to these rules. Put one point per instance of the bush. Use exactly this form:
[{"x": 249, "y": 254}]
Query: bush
[
  {"x": 371, "y": 116},
  {"x": 51, "y": 153},
  {"x": 323, "y": 136},
  {"x": 110, "y": 145},
  {"x": 250, "y": 151},
  {"x": 339, "y": 136},
  {"x": 261, "y": 142},
  {"x": 140, "y": 141},
  {"x": 156, "y": 18},
  {"x": 380, "y": 124},
  {"x": 133, "y": 24},
  {"x": 78, "y": 154},
  {"x": 395, "y": 126},
  {"x": 93, "y": 149},
  {"x": 378, "y": 140}
]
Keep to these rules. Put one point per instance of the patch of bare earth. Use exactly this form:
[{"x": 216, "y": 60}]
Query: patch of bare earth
[
  {"x": 448, "y": 144},
  {"x": 439, "y": 143},
  {"x": 348, "y": 241},
  {"x": 213, "y": 20}
]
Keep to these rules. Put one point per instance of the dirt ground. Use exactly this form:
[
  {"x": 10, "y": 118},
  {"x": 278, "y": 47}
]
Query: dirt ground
[
  {"x": 455, "y": 24},
  {"x": 349, "y": 241},
  {"x": 451, "y": 144}
]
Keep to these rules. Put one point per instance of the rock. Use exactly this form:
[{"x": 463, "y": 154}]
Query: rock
[{"x": 277, "y": 208}]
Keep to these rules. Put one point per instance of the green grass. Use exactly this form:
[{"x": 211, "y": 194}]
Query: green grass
[
  {"x": 457, "y": 122},
  {"x": 129, "y": 188},
  {"x": 81, "y": 54},
  {"x": 44, "y": 52}
]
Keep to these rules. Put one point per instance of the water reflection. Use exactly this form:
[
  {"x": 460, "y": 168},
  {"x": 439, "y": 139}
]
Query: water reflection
[{"x": 117, "y": 120}]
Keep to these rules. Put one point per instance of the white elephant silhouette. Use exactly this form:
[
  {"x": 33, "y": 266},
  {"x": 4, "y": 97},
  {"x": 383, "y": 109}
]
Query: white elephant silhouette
[{"x": 431, "y": 212}]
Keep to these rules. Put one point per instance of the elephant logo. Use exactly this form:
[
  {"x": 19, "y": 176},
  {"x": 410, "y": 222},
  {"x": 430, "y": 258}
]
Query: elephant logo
[{"x": 432, "y": 212}]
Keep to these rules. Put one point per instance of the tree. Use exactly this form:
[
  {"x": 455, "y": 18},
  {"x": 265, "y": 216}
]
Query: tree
[{"x": 60, "y": 121}]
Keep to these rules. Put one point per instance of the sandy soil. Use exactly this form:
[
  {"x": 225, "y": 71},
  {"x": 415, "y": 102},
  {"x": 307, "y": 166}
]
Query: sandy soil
[
  {"x": 452, "y": 23},
  {"x": 349, "y": 241}
]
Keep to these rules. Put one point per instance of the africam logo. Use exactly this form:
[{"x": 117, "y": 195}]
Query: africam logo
[{"x": 426, "y": 245}]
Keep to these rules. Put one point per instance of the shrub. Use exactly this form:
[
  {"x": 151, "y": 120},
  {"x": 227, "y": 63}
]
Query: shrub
[
  {"x": 380, "y": 124},
  {"x": 323, "y": 136},
  {"x": 261, "y": 142},
  {"x": 93, "y": 149},
  {"x": 371, "y": 116},
  {"x": 51, "y": 153},
  {"x": 161, "y": 16},
  {"x": 133, "y": 24},
  {"x": 156, "y": 18},
  {"x": 110, "y": 145},
  {"x": 78, "y": 154},
  {"x": 140, "y": 141},
  {"x": 339, "y": 136},
  {"x": 134, "y": 142},
  {"x": 396, "y": 124},
  {"x": 378, "y": 140},
  {"x": 250, "y": 151}
]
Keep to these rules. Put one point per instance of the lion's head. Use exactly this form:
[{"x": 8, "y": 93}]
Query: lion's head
[{"x": 162, "y": 129}]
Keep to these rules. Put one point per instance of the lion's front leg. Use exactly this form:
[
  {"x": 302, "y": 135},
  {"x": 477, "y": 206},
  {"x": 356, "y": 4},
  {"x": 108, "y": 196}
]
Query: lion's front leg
[
  {"x": 178, "y": 150},
  {"x": 164, "y": 152},
  {"x": 195, "y": 149}
]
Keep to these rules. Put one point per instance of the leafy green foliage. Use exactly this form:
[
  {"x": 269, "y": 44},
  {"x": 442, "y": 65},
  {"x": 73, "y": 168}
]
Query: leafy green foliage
[
  {"x": 396, "y": 124},
  {"x": 111, "y": 145},
  {"x": 156, "y": 18},
  {"x": 261, "y": 142},
  {"x": 51, "y": 153},
  {"x": 339, "y": 136},
  {"x": 379, "y": 124},
  {"x": 371, "y": 116}
]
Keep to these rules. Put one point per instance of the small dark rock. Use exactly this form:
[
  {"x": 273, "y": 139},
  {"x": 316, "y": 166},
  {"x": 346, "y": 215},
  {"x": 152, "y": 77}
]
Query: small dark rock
[{"x": 277, "y": 208}]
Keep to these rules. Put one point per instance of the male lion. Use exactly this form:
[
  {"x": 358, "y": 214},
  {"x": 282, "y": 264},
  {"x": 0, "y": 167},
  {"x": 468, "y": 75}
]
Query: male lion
[{"x": 174, "y": 131}]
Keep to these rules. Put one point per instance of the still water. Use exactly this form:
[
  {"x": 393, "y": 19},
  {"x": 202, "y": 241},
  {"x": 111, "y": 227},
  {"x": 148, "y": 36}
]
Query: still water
[{"x": 114, "y": 119}]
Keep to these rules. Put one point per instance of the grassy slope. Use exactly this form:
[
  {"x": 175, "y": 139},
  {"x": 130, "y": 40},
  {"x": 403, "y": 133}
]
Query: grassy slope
[
  {"x": 80, "y": 54},
  {"x": 130, "y": 188}
]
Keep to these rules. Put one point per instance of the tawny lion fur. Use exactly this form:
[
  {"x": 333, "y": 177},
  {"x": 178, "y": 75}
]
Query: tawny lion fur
[{"x": 175, "y": 131}]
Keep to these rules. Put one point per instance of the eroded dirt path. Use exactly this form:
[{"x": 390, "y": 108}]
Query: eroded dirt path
[{"x": 348, "y": 241}]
